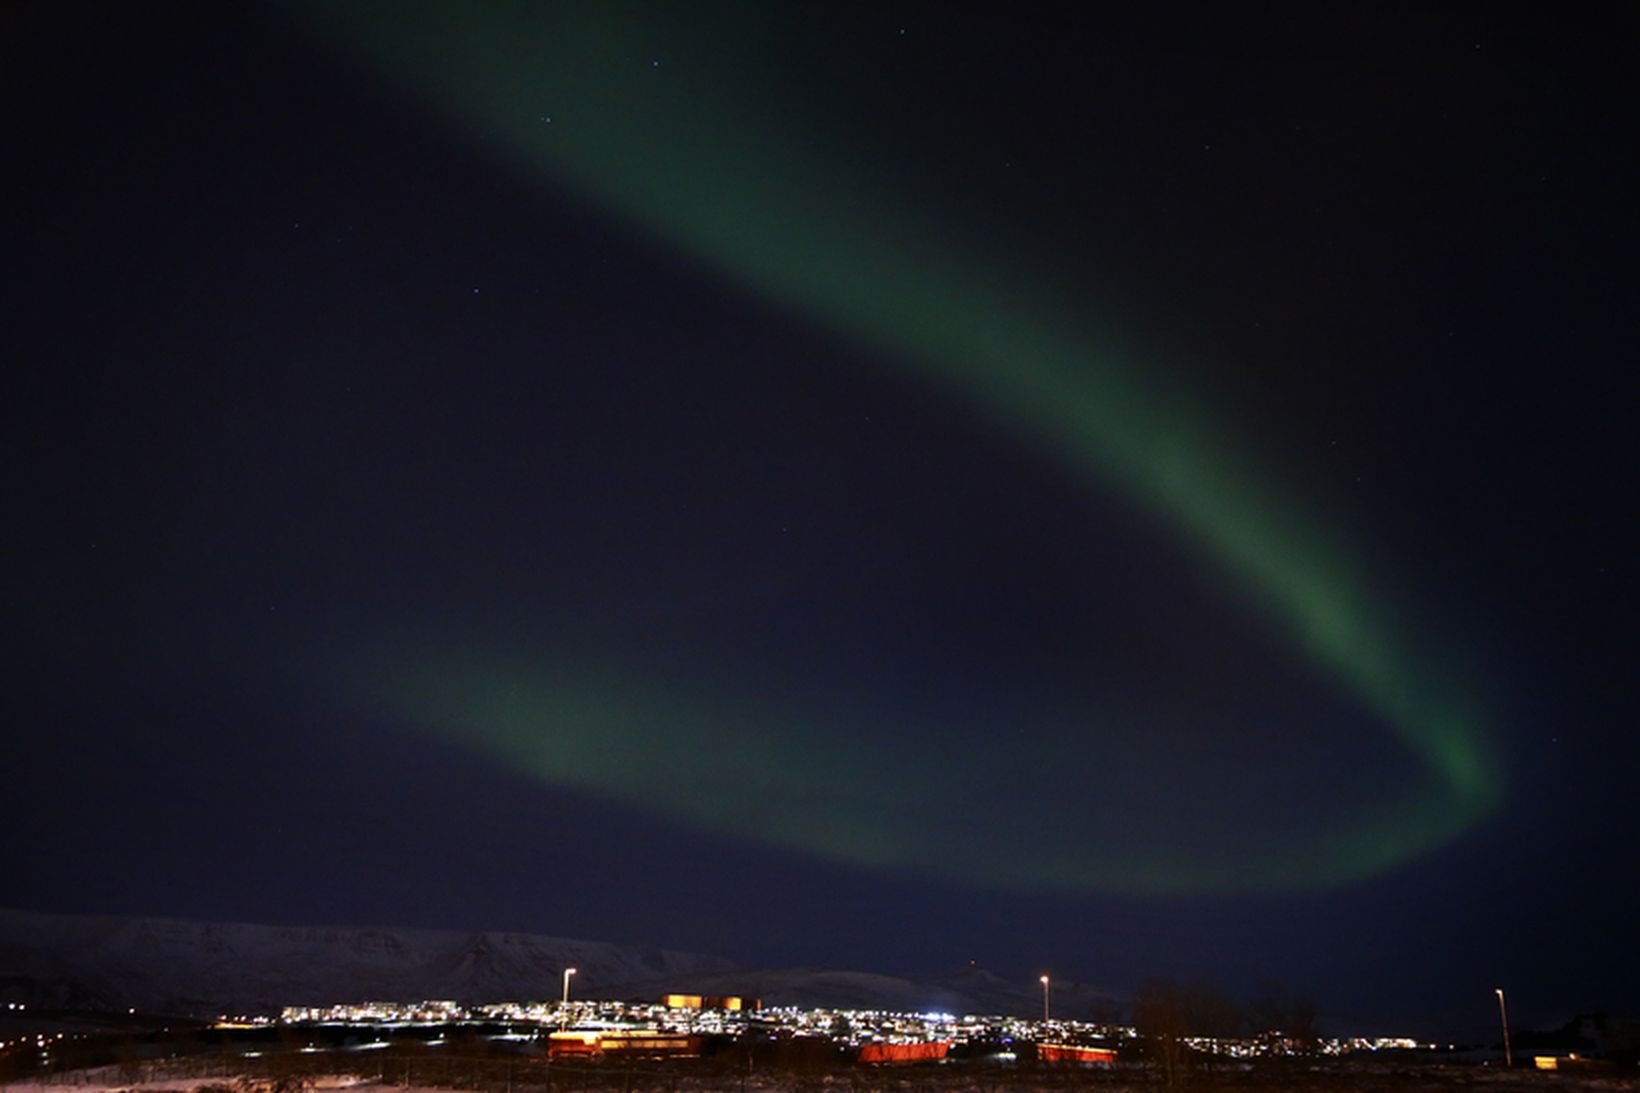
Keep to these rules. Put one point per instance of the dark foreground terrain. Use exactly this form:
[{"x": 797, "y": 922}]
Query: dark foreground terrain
[{"x": 426, "y": 1072}]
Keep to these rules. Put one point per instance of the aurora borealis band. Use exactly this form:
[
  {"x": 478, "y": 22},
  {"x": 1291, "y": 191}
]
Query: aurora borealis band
[
  {"x": 694, "y": 148},
  {"x": 949, "y": 491}
]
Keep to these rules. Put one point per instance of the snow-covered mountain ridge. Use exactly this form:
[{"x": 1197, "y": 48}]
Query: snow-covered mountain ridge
[
  {"x": 205, "y": 968},
  {"x": 202, "y": 969}
]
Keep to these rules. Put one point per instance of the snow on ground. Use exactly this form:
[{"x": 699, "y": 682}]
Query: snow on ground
[
  {"x": 933, "y": 1079},
  {"x": 109, "y": 1079}
]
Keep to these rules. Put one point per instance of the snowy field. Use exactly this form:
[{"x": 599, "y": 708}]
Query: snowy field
[{"x": 698, "y": 1077}]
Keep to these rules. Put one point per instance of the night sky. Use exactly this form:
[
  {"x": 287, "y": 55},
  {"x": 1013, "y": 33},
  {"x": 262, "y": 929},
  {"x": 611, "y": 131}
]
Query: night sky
[{"x": 1113, "y": 492}]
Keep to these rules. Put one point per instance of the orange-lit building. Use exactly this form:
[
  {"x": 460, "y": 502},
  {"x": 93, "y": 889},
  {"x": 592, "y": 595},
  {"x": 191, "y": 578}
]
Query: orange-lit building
[
  {"x": 929, "y": 1051},
  {"x": 627, "y": 1043},
  {"x": 1073, "y": 1053},
  {"x": 733, "y": 1003}
]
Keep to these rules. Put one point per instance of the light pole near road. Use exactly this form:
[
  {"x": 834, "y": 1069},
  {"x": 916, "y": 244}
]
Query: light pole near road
[
  {"x": 1044, "y": 1000},
  {"x": 1503, "y": 1015},
  {"x": 565, "y": 1005}
]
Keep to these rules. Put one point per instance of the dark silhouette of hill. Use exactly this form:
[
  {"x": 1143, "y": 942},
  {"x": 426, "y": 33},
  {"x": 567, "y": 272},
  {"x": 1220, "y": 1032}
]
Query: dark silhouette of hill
[
  {"x": 203, "y": 969},
  {"x": 207, "y": 968}
]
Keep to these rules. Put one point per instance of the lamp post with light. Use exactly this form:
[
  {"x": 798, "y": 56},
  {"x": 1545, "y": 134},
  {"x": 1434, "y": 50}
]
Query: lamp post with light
[
  {"x": 564, "y": 1007},
  {"x": 1503, "y": 1016},
  {"x": 1044, "y": 1000}
]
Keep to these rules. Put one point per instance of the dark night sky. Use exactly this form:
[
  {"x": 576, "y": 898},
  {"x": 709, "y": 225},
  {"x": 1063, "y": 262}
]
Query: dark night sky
[{"x": 726, "y": 515}]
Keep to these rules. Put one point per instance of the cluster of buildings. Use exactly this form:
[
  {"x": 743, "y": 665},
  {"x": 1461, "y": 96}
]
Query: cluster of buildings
[
  {"x": 680, "y": 1024},
  {"x": 1259, "y": 1047},
  {"x": 374, "y": 1013}
]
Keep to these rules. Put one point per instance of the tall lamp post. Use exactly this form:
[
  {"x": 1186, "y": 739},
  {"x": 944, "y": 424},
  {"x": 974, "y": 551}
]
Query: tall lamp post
[
  {"x": 1044, "y": 1000},
  {"x": 564, "y": 1007},
  {"x": 1503, "y": 1015}
]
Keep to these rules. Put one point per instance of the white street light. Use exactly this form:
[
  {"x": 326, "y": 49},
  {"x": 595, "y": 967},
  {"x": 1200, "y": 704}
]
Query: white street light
[
  {"x": 565, "y": 1006},
  {"x": 1503, "y": 1015},
  {"x": 1044, "y": 1000}
]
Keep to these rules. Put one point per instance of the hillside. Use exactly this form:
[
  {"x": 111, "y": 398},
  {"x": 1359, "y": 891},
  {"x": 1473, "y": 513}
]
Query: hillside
[{"x": 206, "y": 968}]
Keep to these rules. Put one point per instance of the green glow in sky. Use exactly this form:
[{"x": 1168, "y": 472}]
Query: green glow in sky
[{"x": 710, "y": 163}]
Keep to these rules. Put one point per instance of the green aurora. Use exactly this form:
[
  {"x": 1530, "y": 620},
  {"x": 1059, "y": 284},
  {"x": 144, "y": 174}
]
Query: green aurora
[{"x": 716, "y": 170}]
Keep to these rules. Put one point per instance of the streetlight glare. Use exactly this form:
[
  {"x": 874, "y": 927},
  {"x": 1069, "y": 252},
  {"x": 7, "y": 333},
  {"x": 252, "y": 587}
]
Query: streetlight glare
[{"x": 565, "y": 1003}]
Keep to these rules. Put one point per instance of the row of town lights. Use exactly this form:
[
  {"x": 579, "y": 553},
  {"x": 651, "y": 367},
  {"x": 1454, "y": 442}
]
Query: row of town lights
[
  {"x": 571, "y": 971},
  {"x": 1503, "y": 1017},
  {"x": 1503, "y": 1012}
]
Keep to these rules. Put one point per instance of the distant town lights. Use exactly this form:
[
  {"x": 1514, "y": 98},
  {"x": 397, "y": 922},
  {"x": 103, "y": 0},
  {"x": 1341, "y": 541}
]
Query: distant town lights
[{"x": 597, "y": 1020}]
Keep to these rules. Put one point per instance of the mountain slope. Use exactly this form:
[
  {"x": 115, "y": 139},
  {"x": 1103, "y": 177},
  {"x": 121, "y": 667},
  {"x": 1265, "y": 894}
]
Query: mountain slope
[
  {"x": 204, "y": 969},
  {"x": 207, "y": 968}
]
